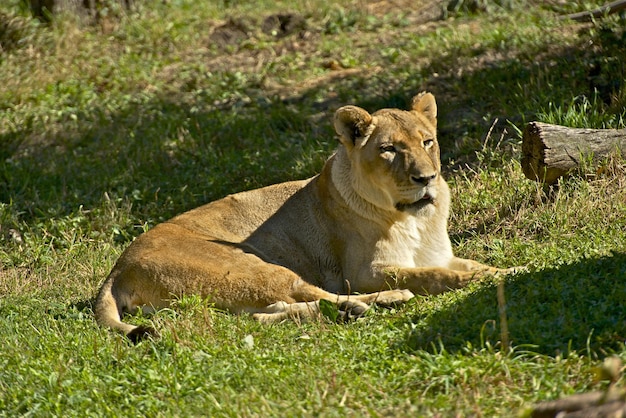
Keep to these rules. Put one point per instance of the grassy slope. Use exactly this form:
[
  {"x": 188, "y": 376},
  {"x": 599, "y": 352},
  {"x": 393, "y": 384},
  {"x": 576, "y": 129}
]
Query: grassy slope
[{"x": 106, "y": 130}]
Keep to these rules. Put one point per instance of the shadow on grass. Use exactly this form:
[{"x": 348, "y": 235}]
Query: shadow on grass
[
  {"x": 160, "y": 157},
  {"x": 166, "y": 155},
  {"x": 577, "y": 307}
]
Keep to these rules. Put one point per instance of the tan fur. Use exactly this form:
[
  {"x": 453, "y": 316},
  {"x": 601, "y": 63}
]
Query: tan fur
[{"x": 370, "y": 228}]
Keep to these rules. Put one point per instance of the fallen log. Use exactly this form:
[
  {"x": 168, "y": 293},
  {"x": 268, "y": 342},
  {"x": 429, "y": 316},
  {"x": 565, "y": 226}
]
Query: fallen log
[{"x": 552, "y": 151}]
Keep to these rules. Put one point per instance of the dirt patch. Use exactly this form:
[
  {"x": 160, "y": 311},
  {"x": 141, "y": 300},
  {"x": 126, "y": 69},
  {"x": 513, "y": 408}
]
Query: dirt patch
[
  {"x": 288, "y": 33},
  {"x": 281, "y": 25},
  {"x": 231, "y": 33},
  {"x": 236, "y": 30},
  {"x": 235, "y": 42}
]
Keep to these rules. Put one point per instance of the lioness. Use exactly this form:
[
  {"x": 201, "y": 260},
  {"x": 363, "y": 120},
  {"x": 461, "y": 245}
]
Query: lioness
[{"x": 371, "y": 228}]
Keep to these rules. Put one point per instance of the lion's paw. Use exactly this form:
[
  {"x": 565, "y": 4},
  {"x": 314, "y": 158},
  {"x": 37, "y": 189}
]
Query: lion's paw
[
  {"x": 393, "y": 297},
  {"x": 351, "y": 310}
]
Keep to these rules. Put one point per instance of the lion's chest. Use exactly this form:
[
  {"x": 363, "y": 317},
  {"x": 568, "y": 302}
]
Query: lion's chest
[{"x": 413, "y": 243}]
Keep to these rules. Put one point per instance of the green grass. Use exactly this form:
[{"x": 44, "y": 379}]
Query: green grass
[{"x": 109, "y": 128}]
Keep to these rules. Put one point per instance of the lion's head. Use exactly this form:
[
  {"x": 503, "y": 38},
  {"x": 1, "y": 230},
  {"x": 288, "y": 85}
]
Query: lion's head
[{"x": 393, "y": 155}]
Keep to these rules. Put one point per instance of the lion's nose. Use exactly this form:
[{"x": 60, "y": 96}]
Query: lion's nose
[{"x": 423, "y": 180}]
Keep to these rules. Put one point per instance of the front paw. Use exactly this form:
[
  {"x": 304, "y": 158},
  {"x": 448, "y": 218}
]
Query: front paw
[{"x": 393, "y": 297}]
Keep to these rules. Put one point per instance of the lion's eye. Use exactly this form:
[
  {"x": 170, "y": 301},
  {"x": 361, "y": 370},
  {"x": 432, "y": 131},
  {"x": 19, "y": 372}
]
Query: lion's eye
[
  {"x": 387, "y": 148},
  {"x": 428, "y": 143}
]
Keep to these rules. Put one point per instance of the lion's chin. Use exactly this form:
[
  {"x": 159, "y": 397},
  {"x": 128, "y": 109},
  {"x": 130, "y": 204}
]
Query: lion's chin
[{"x": 427, "y": 200}]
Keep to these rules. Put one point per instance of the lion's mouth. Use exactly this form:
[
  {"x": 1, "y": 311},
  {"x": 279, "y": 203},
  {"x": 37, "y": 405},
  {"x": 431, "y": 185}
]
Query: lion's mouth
[{"x": 424, "y": 201}]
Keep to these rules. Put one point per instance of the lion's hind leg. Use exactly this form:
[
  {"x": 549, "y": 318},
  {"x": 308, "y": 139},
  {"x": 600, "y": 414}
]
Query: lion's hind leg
[
  {"x": 307, "y": 311},
  {"x": 281, "y": 311}
]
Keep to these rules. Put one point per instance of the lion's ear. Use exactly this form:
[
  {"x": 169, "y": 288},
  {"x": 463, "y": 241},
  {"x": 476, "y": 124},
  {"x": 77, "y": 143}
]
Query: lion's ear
[
  {"x": 352, "y": 123},
  {"x": 425, "y": 104}
]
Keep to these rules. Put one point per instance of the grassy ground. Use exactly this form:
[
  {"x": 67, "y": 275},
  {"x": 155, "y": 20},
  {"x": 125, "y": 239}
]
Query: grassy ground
[{"x": 108, "y": 128}]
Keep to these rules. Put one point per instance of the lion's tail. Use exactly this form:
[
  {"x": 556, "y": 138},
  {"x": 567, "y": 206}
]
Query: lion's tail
[{"x": 108, "y": 314}]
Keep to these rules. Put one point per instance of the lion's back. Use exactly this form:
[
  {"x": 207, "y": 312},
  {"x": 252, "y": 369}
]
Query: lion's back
[{"x": 236, "y": 216}]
